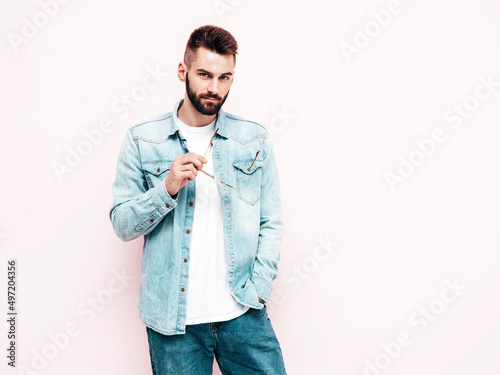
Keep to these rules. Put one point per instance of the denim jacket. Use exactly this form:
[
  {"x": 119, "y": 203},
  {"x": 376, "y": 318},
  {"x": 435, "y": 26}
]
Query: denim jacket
[{"x": 251, "y": 214}]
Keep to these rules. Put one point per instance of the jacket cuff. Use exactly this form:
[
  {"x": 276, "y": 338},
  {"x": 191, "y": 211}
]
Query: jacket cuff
[
  {"x": 262, "y": 286},
  {"x": 167, "y": 202}
]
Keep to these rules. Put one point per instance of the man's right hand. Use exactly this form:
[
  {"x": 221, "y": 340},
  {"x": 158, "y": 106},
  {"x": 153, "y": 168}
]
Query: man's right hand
[{"x": 184, "y": 168}]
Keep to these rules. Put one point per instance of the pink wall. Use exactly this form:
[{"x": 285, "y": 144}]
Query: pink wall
[{"x": 386, "y": 135}]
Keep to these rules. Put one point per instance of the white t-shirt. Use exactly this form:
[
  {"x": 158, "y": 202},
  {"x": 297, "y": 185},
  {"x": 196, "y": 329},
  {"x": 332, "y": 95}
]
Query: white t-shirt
[{"x": 209, "y": 298}]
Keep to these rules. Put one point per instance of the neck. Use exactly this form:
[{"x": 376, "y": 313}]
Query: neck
[{"x": 190, "y": 116}]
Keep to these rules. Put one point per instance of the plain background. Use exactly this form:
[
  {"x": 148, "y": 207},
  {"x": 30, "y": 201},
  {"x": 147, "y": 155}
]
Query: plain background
[{"x": 363, "y": 265}]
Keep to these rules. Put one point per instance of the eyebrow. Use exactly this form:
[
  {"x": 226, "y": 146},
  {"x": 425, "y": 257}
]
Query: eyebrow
[{"x": 206, "y": 71}]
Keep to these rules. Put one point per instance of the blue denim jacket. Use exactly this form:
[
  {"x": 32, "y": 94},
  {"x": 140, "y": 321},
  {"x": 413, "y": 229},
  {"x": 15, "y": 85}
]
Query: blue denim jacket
[{"x": 251, "y": 214}]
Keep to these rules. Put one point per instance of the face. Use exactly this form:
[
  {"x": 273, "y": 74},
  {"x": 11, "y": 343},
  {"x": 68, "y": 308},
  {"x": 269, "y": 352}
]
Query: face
[{"x": 208, "y": 80}]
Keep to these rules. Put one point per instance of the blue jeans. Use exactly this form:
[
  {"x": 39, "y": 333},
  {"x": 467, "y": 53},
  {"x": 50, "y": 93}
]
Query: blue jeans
[{"x": 244, "y": 345}]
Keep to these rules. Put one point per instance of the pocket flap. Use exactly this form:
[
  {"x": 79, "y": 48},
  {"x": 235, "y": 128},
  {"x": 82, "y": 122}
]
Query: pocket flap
[
  {"x": 156, "y": 167},
  {"x": 244, "y": 165}
]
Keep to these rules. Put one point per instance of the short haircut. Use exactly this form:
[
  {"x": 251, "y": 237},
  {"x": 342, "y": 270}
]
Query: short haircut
[{"x": 213, "y": 38}]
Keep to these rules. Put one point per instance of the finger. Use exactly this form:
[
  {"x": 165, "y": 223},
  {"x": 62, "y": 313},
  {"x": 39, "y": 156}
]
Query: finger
[
  {"x": 190, "y": 175},
  {"x": 195, "y": 159},
  {"x": 188, "y": 168}
]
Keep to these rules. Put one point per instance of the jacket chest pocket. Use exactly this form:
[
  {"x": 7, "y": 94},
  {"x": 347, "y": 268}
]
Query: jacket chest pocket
[
  {"x": 248, "y": 179},
  {"x": 156, "y": 171}
]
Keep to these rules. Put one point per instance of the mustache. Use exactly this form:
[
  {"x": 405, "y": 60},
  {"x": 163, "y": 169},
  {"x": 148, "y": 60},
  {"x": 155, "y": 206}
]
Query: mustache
[{"x": 207, "y": 96}]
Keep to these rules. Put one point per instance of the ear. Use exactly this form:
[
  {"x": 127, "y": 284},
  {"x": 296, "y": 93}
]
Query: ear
[{"x": 181, "y": 71}]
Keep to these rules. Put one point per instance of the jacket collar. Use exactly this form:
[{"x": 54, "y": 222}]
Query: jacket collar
[{"x": 220, "y": 123}]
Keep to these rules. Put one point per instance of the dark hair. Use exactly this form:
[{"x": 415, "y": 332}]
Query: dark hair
[{"x": 213, "y": 38}]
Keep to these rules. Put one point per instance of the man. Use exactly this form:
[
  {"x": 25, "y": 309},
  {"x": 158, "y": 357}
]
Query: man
[{"x": 211, "y": 239}]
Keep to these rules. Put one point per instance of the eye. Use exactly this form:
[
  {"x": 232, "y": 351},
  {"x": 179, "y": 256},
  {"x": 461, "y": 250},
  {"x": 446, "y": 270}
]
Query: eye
[
  {"x": 204, "y": 75},
  {"x": 224, "y": 78}
]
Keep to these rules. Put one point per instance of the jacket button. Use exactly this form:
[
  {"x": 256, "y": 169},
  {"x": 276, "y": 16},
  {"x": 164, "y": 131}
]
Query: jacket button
[
  {"x": 158, "y": 170},
  {"x": 168, "y": 206},
  {"x": 151, "y": 220},
  {"x": 188, "y": 231},
  {"x": 185, "y": 260},
  {"x": 186, "y": 150},
  {"x": 182, "y": 289},
  {"x": 190, "y": 203}
]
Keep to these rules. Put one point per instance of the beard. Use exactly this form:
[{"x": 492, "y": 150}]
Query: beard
[{"x": 209, "y": 108}]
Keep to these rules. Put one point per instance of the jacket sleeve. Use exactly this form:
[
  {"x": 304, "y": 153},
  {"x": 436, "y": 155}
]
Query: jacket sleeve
[
  {"x": 136, "y": 211},
  {"x": 271, "y": 227}
]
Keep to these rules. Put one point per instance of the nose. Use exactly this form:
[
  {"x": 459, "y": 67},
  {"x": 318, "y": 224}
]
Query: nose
[{"x": 213, "y": 88}]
